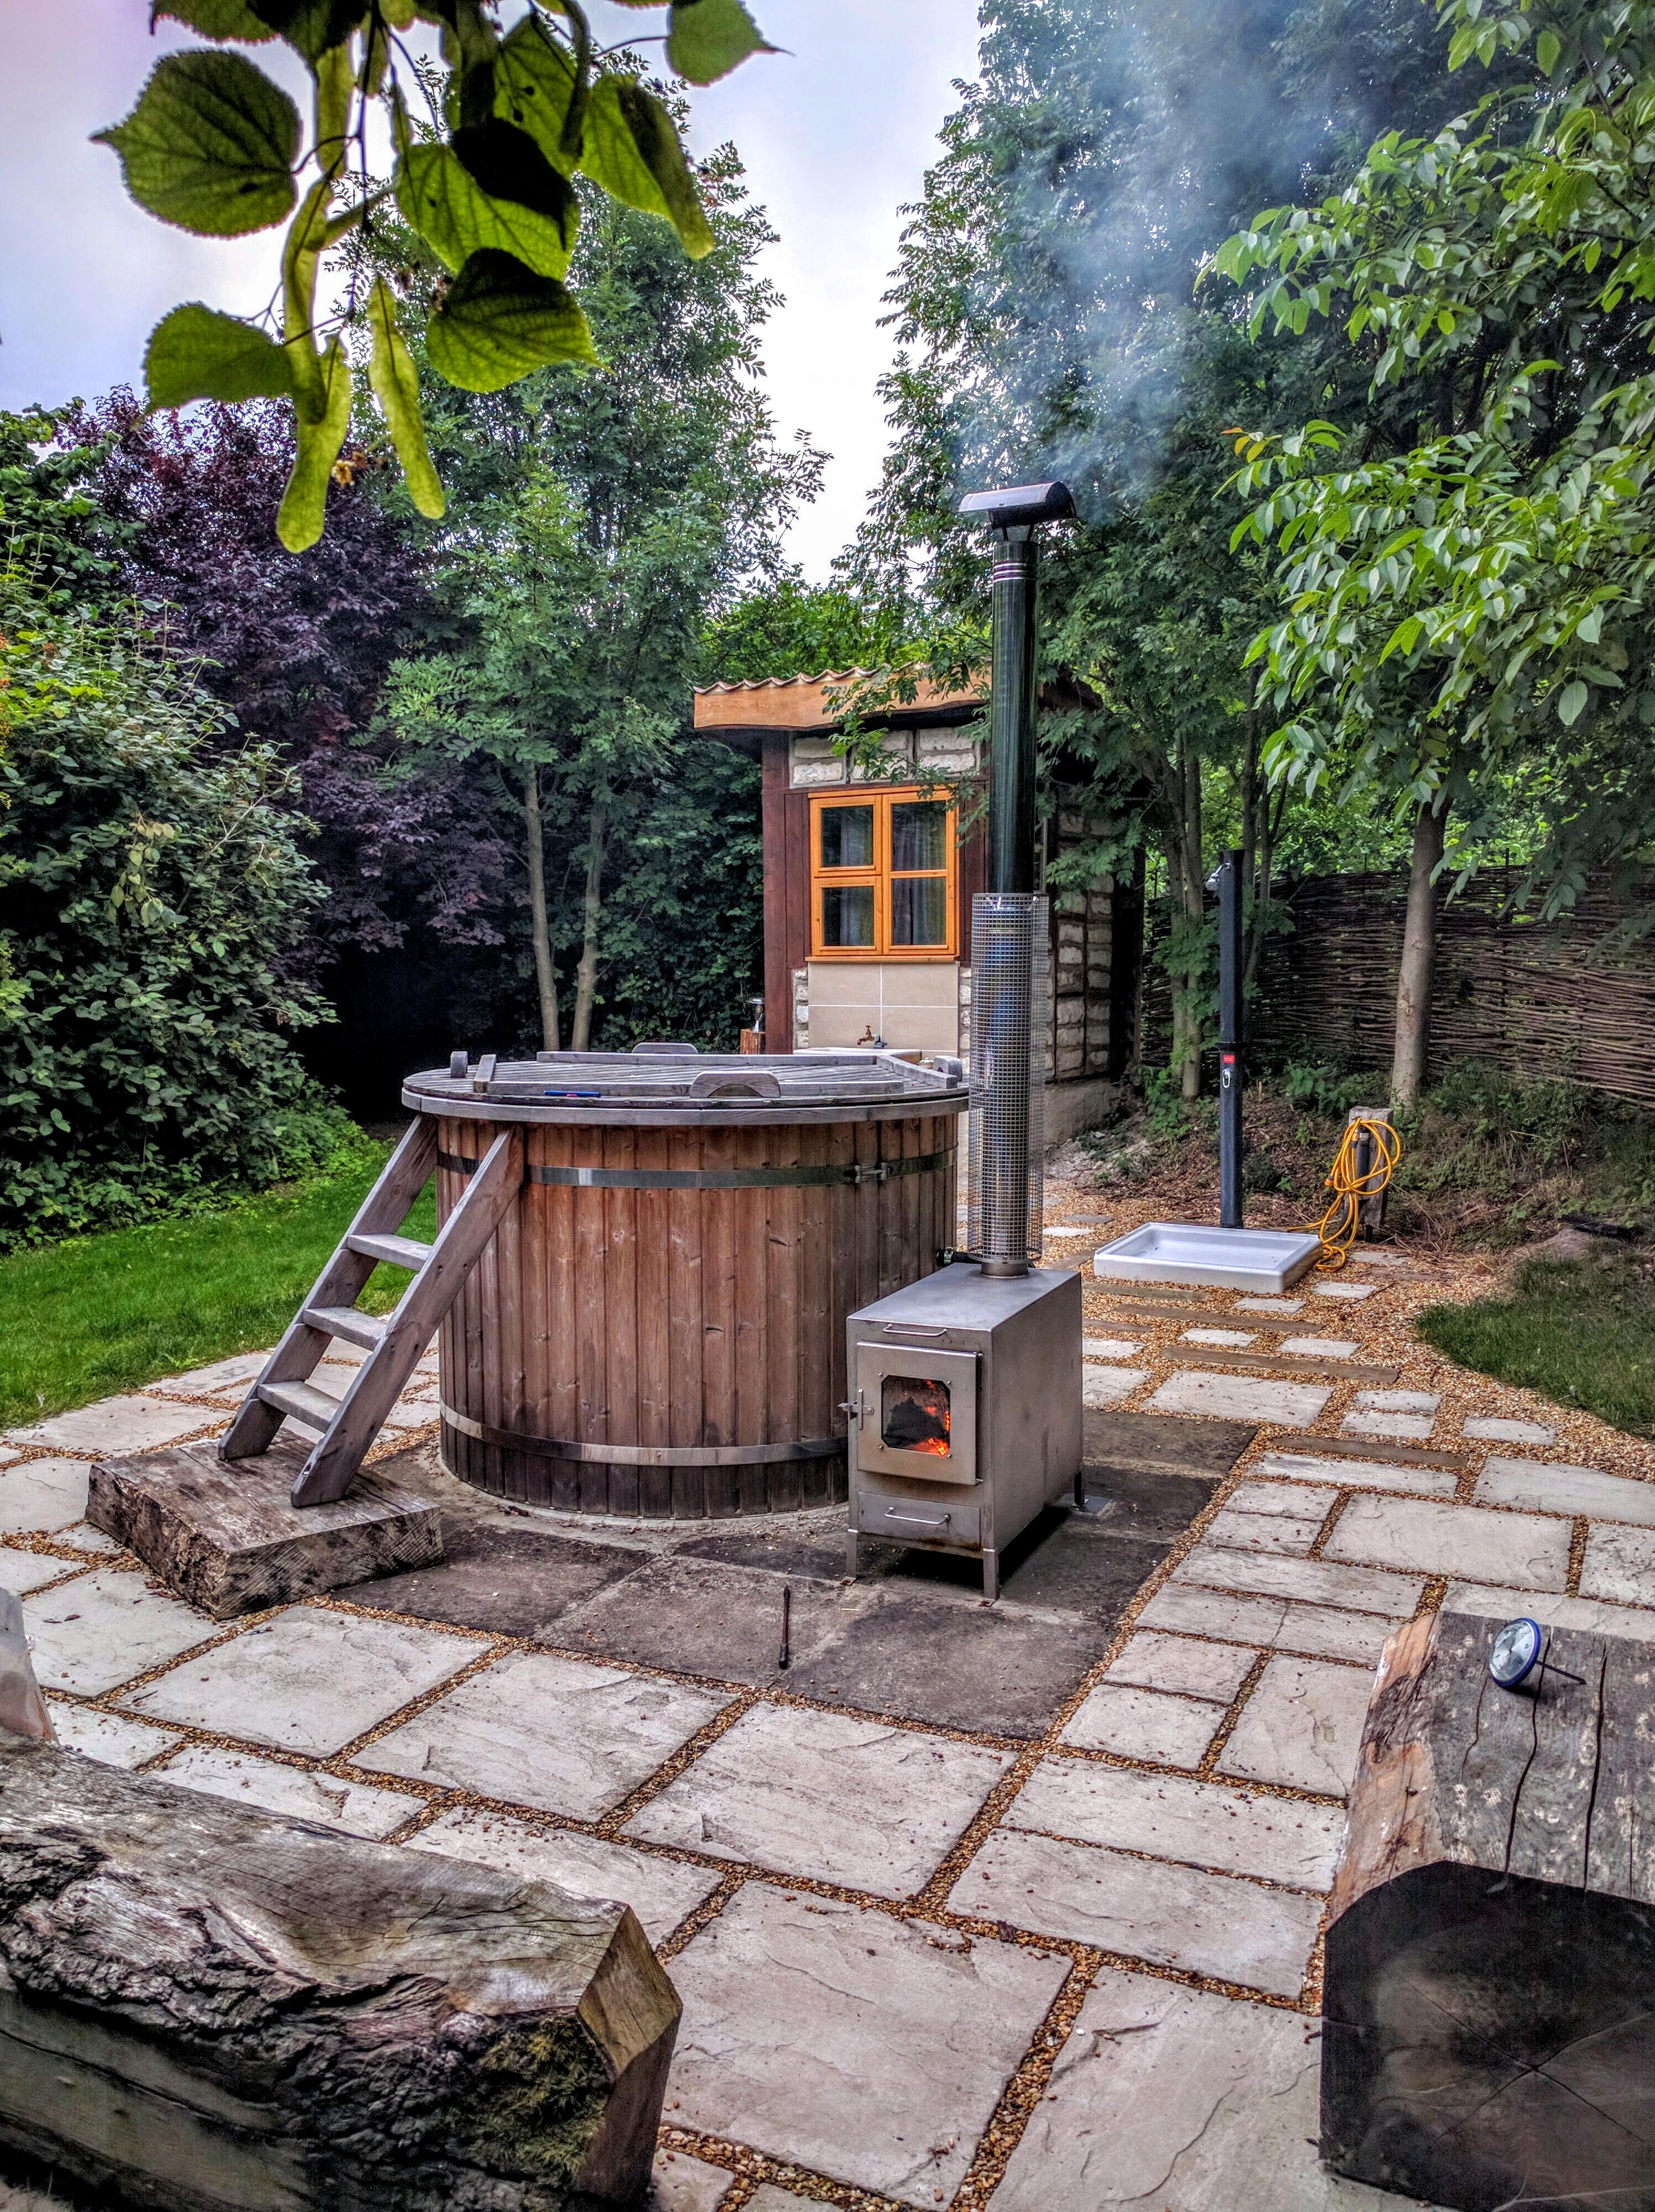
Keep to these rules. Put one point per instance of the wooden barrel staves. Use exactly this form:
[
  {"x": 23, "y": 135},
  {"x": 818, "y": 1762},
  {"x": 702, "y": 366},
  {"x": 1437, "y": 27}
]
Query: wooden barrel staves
[{"x": 657, "y": 1328}]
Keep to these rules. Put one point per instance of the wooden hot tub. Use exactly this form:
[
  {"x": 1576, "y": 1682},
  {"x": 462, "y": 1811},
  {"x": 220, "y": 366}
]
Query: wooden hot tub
[{"x": 658, "y": 1327}]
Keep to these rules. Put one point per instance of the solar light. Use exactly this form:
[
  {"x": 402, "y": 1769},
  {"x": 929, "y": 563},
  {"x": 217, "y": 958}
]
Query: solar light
[{"x": 1516, "y": 1650}]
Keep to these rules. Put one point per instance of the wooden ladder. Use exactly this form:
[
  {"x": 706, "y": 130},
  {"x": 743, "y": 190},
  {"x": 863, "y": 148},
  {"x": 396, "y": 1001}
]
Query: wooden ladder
[{"x": 393, "y": 1344}]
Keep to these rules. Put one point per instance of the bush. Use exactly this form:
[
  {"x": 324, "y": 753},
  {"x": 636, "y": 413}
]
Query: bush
[{"x": 149, "y": 888}]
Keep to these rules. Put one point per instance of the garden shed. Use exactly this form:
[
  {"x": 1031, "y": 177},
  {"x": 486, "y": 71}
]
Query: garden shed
[{"x": 869, "y": 878}]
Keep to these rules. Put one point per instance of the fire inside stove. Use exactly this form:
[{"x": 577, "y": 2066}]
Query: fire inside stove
[{"x": 914, "y": 1415}]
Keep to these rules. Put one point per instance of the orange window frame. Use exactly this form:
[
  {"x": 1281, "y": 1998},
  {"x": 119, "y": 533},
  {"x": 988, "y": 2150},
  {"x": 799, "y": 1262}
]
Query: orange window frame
[{"x": 881, "y": 876}]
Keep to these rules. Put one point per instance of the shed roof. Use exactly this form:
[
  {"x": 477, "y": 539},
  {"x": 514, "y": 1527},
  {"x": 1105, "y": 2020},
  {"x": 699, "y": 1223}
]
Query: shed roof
[{"x": 802, "y": 704}]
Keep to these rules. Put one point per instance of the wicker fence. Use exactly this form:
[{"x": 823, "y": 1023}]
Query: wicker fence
[{"x": 1538, "y": 998}]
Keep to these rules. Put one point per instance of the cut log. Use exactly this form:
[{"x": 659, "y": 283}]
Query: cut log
[
  {"x": 1490, "y": 2033},
  {"x": 227, "y": 1539},
  {"x": 203, "y": 2008}
]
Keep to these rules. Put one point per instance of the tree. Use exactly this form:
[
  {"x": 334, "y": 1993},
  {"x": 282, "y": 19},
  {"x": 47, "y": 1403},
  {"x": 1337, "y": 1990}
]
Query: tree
[
  {"x": 1465, "y": 591},
  {"x": 794, "y": 628},
  {"x": 596, "y": 524},
  {"x": 213, "y": 146}
]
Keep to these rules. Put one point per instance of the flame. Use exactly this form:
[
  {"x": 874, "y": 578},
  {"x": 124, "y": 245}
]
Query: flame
[{"x": 937, "y": 1446}]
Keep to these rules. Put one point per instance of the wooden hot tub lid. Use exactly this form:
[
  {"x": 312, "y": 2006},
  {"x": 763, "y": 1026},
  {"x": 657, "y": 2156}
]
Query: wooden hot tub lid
[{"x": 621, "y": 1089}]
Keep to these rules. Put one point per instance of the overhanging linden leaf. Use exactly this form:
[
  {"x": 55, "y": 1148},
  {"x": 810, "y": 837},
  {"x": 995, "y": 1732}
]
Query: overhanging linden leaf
[
  {"x": 211, "y": 145},
  {"x": 500, "y": 321},
  {"x": 196, "y": 353}
]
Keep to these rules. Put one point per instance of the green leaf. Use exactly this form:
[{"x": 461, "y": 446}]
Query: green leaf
[
  {"x": 214, "y": 19},
  {"x": 456, "y": 218},
  {"x": 1570, "y": 700},
  {"x": 534, "y": 83},
  {"x": 314, "y": 27},
  {"x": 1548, "y": 47},
  {"x": 304, "y": 503},
  {"x": 500, "y": 321},
  {"x": 633, "y": 151},
  {"x": 211, "y": 145},
  {"x": 508, "y": 165},
  {"x": 196, "y": 353},
  {"x": 706, "y": 38},
  {"x": 395, "y": 383}
]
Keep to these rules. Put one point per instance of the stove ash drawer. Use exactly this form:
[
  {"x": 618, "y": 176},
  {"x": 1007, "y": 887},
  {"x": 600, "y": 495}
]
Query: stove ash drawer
[
  {"x": 880, "y": 1510},
  {"x": 914, "y": 1412}
]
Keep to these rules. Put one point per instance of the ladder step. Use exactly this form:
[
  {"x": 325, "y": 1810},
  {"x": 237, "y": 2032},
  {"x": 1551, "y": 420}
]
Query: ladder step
[
  {"x": 345, "y": 1321},
  {"x": 394, "y": 1251},
  {"x": 302, "y": 1401}
]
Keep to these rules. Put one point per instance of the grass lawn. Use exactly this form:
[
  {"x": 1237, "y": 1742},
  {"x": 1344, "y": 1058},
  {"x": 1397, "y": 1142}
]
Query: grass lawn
[
  {"x": 95, "y": 1314},
  {"x": 1581, "y": 1331}
]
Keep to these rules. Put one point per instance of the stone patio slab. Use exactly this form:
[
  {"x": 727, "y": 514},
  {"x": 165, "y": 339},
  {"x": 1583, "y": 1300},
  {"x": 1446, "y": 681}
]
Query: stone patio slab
[
  {"x": 83, "y": 1537},
  {"x": 1488, "y": 1430},
  {"x": 769, "y": 2198},
  {"x": 679, "y": 2183},
  {"x": 1219, "y": 1336},
  {"x": 869, "y": 2048},
  {"x": 220, "y": 1377},
  {"x": 1398, "y": 1401},
  {"x": 1155, "y": 1661},
  {"x": 1551, "y": 1488},
  {"x": 104, "y": 1628},
  {"x": 853, "y": 1801},
  {"x": 662, "y": 1891},
  {"x": 1170, "y": 2100},
  {"x": 1620, "y": 1565},
  {"x": 1169, "y": 1915},
  {"x": 23, "y": 1571},
  {"x": 1517, "y": 1549},
  {"x": 1349, "y": 1292},
  {"x": 40, "y": 1496},
  {"x": 1301, "y": 1726},
  {"x": 1321, "y": 1347},
  {"x": 1286, "y": 1499},
  {"x": 1139, "y": 1723},
  {"x": 1317, "y": 1582},
  {"x": 1110, "y": 1347},
  {"x": 117, "y": 1425},
  {"x": 1205, "y": 1823},
  {"x": 1242, "y": 1397},
  {"x": 1361, "y": 1473},
  {"x": 1597, "y": 1616},
  {"x": 1270, "y": 1305},
  {"x": 1322, "y": 1632},
  {"x": 309, "y": 1681},
  {"x": 108, "y": 1737},
  {"x": 1105, "y": 1386},
  {"x": 1242, "y": 1531},
  {"x": 553, "y": 1734},
  {"x": 1398, "y": 1428},
  {"x": 355, "y": 1807}
]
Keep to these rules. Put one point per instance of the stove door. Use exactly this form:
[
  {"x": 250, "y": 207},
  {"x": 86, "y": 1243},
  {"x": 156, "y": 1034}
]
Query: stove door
[{"x": 916, "y": 1411}]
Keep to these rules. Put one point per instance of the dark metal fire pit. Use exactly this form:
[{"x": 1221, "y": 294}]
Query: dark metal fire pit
[{"x": 658, "y": 1328}]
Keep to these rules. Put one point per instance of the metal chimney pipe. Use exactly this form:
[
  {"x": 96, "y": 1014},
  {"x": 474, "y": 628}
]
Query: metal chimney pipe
[
  {"x": 1226, "y": 878},
  {"x": 1004, "y": 957}
]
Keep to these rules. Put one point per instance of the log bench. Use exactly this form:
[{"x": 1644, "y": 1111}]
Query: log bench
[
  {"x": 1489, "y": 2037},
  {"x": 204, "y": 2007}
]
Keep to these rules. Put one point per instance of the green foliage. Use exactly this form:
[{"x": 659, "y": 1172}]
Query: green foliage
[
  {"x": 790, "y": 628},
  {"x": 213, "y": 146},
  {"x": 150, "y": 886},
  {"x": 1582, "y": 1333}
]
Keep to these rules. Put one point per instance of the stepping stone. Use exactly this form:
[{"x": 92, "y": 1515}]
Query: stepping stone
[
  {"x": 679, "y": 2183},
  {"x": 309, "y": 1681},
  {"x": 1110, "y": 1347},
  {"x": 857, "y": 1803},
  {"x": 1517, "y": 1549},
  {"x": 1317, "y": 1582},
  {"x": 1169, "y": 1816},
  {"x": 769, "y": 2198},
  {"x": 1219, "y": 1336},
  {"x": 1171, "y": 2100},
  {"x": 1360, "y": 1474},
  {"x": 1598, "y": 1617},
  {"x": 117, "y": 1425},
  {"x": 23, "y": 1571},
  {"x": 1319, "y": 1631},
  {"x": 1263, "y": 1532},
  {"x": 104, "y": 1628},
  {"x": 355, "y": 1806},
  {"x": 1242, "y": 1398},
  {"x": 41, "y": 1496},
  {"x": 1167, "y": 1914},
  {"x": 221, "y": 1379},
  {"x": 83, "y": 1537},
  {"x": 1321, "y": 1347},
  {"x": 868, "y": 2049},
  {"x": 1137, "y": 1723},
  {"x": 1349, "y": 1290},
  {"x": 557, "y": 1734},
  {"x": 1551, "y": 1486},
  {"x": 1620, "y": 1565},
  {"x": 1107, "y": 1385},
  {"x": 1291, "y": 1500},
  {"x": 1152, "y": 1660},
  {"x": 1402, "y": 1428},
  {"x": 1269, "y": 1306},
  {"x": 1301, "y": 1726},
  {"x": 662, "y": 1891},
  {"x": 1398, "y": 1401},
  {"x": 1359, "y": 1256},
  {"x": 108, "y": 1737},
  {"x": 1509, "y": 1432},
  {"x": 1066, "y": 1229}
]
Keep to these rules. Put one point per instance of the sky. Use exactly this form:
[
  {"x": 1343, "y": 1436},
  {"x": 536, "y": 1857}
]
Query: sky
[{"x": 836, "y": 133}]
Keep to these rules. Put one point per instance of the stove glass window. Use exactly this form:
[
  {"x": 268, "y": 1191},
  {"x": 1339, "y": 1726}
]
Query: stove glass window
[{"x": 914, "y": 1415}]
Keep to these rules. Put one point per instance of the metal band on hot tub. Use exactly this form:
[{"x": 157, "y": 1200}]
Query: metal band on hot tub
[
  {"x": 854, "y": 1171},
  {"x": 647, "y": 1454}
]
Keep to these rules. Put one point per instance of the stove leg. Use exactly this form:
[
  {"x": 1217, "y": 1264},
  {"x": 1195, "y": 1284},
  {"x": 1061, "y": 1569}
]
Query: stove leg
[
  {"x": 1080, "y": 1488},
  {"x": 991, "y": 1576},
  {"x": 850, "y": 1553}
]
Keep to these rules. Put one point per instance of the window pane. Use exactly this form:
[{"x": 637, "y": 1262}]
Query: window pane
[
  {"x": 919, "y": 834},
  {"x": 919, "y": 910},
  {"x": 848, "y": 837},
  {"x": 848, "y": 914}
]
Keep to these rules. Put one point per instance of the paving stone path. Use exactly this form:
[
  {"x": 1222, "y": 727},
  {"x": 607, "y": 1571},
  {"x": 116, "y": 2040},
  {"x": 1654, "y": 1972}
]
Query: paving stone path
[{"x": 921, "y": 1965}]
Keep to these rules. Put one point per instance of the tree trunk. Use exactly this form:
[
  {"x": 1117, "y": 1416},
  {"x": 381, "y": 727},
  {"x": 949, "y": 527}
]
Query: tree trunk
[
  {"x": 545, "y": 975},
  {"x": 585, "y": 975},
  {"x": 1194, "y": 899},
  {"x": 1269, "y": 831},
  {"x": 1418, "y": 968}
]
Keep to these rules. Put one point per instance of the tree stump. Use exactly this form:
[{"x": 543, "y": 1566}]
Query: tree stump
[
  {"x": 1490, "y": 1991},
  {"x": 203, "y": 2006}
]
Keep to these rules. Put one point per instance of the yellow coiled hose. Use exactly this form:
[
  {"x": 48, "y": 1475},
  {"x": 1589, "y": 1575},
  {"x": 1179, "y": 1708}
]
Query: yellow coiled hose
[{"x": 1338, "y": 1225}]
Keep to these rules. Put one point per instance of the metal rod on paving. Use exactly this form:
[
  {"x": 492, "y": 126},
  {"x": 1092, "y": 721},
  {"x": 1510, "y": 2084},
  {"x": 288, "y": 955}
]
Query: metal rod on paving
[
  {"x": 1231, "y": 1201},
  {"x": 785, "y": 1659}
]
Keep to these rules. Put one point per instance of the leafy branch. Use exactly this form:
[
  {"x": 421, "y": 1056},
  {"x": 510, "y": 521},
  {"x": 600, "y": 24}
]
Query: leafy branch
[{"x": 213, "y": 146}]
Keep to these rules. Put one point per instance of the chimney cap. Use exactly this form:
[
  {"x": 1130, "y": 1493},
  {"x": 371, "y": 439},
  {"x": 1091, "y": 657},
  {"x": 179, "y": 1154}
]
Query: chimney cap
[{"x": 1019, "y": 504}]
